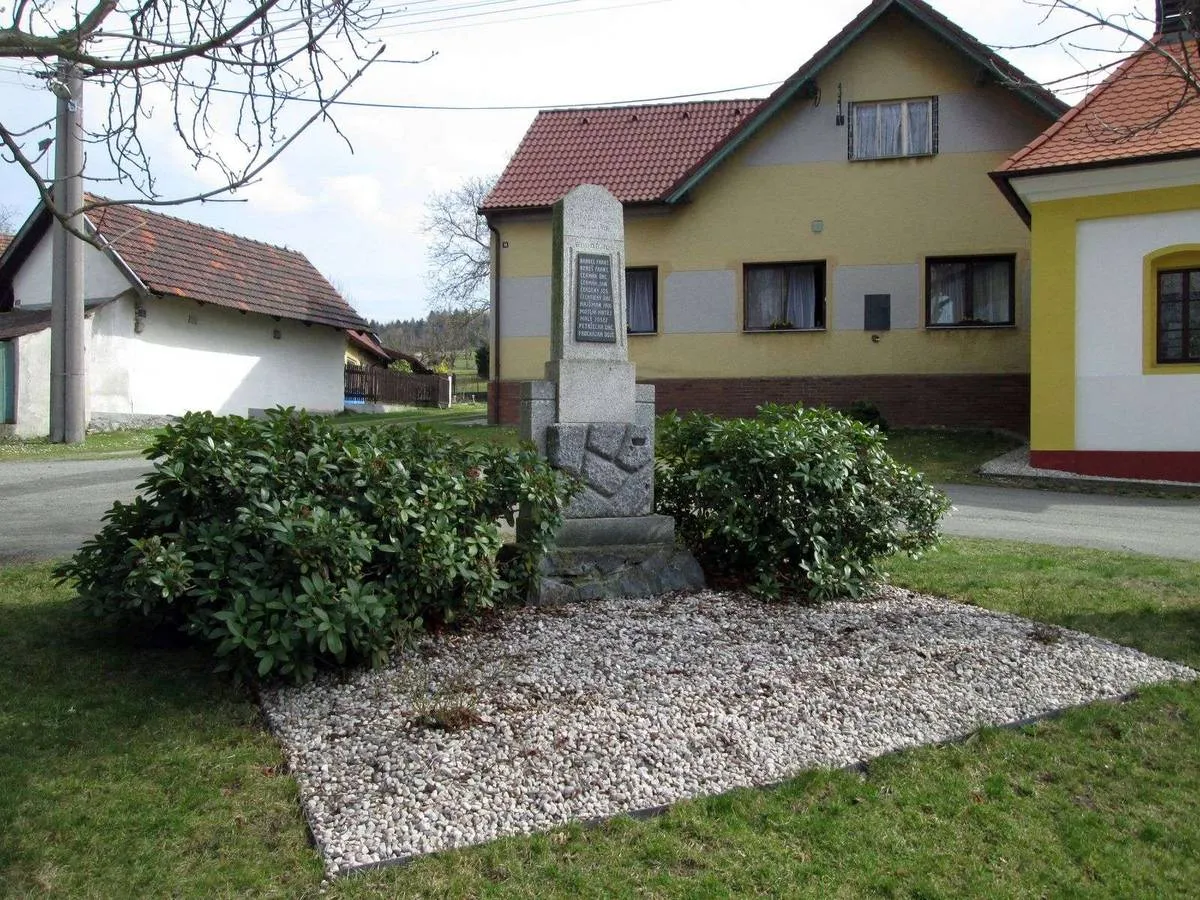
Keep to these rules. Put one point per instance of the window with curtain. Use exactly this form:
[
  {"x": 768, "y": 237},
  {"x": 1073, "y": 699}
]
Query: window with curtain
[
  {"x": 1179, "y": 316},
  {"x": 970, "y": 290},
  {"x": 893, "y": 128},
  {"x": 641, "y": 301},
  {"x": 784, "y": 296}
]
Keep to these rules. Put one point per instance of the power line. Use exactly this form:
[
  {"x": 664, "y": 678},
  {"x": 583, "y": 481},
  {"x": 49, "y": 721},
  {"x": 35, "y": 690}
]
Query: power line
[
  {"x": 510, "y": 108},
  {"x": 576, "y": 12}
]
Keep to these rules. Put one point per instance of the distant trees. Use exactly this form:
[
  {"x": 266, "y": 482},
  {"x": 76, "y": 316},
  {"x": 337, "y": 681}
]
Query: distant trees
[
  {"x": 440, "y": 336},
  {"x": 8, "y": 220},
  {"x": 459, "y": 252}
]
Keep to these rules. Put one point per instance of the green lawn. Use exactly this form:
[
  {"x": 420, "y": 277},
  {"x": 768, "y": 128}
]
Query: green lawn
[
  {"x": 133, "y": 442},
  {"x": 944, "y": 456},
  {"x": 418, "y": 415},
  {"x": 94, "y": 446},
  {"x": 127, "y": 770},
  {"x": 948, "y": 457}
]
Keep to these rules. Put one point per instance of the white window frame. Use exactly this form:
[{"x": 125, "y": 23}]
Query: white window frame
[{"x": 931, "y": 118}]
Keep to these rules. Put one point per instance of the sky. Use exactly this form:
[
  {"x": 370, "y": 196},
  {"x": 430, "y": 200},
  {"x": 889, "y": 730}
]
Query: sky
[{"x": 358, "y": 215}]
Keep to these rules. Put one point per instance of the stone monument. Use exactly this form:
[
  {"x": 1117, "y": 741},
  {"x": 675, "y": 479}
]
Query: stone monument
[{"x": 589, "y": 418}]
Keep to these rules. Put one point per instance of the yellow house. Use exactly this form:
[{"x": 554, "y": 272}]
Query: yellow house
[
  {"x": 838, "y": 241},
  {"x": 1112, "y": 192}
]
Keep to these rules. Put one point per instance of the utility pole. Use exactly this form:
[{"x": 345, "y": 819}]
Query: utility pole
[{"x": 67, "y": 415}]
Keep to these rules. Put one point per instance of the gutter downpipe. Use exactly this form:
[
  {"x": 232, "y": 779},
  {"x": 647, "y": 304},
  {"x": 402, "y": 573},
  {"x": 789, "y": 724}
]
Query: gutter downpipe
[{"x": 495, "y": 354}]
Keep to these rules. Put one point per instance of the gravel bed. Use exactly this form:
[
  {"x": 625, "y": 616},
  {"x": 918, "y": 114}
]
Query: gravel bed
[{"x": 588, "y": 711}]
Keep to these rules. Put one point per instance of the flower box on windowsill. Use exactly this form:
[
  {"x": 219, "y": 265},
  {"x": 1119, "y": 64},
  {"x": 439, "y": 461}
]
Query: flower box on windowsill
[{"x": 770, "y": 329}]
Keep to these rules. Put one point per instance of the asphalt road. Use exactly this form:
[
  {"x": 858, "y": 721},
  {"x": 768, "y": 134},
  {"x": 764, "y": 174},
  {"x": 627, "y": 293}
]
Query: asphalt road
[
  {"x": 1156, "y": 527},
  {"x": 47, "y": 509}
]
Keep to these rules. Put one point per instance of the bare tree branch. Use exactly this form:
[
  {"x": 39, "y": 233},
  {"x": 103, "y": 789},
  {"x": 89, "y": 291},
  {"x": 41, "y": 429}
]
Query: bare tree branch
[
  {"x": 226, "y": 70},
  {"x": 1128, "y": 35},
  {"x": 459, "y": 251}
]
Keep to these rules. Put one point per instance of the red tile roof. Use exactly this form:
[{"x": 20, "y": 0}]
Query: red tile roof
[
  {"x": 637, "y": 152},
  {"x": 175, "y": 257},
  {"x": 5, "y": 240},
  {"x": 653, "y": 153},
  {"x": 369, "y": 344},
  {"x": 1143, "y": 110}
]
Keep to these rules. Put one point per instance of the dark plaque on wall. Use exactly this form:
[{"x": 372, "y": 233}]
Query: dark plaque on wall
[{"x": 595, "y": 318}]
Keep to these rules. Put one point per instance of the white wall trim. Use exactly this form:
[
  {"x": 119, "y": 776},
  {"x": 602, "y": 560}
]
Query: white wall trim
[{"x": 1117, "y": 179}]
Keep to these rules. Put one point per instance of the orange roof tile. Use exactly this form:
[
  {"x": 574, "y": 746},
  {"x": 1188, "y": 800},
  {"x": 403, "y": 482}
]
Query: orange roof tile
[
  {"x": 1145, "y": 109},
  {"x": 637, "y": 152},
  {"x": 175, "y": 257},
  {"x": 5, "y": 240}
]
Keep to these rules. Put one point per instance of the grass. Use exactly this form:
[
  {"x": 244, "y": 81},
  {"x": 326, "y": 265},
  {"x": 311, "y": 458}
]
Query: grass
[
  {"x": 418, "y": 415},
  {"x": 948, "y": 457},
  {"x": 131, "y": 443},
  {"x": 94, "y": 446},
  {"x": 127, "y": 770}
]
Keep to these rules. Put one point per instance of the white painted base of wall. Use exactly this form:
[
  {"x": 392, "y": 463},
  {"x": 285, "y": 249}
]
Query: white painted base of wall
[
  {"x": 188, "y": 357},
  {"x": 1117, "y": 405}
]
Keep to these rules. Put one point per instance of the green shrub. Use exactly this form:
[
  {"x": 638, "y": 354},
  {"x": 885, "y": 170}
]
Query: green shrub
[
  {"x": 483, "y": 360},
  {"x": 868, "y": 413},
  {"x": 290, "y": 543},
  {"x": 401, "y": 365},
  {"x": 795, "y": 501}
]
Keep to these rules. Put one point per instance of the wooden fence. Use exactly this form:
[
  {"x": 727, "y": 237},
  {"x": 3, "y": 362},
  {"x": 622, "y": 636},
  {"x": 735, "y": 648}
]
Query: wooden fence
[
  {"x": 372, "y": 384},
  {"x": 470, "y": 389}
]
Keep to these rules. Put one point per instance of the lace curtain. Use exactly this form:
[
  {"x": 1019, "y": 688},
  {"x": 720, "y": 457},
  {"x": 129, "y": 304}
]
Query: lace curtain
[
  {"x": 990, "y": 291},
  {"x": 974, "y": 292},
  {"x": 947, "y": 293},
  {"x": 920, "y": 137},
  {"x": 781, "y": 297},
  {"x": 866, "y": 132},
  {"x": 639, "y": 301},
  {"x": 895, "y": 128}
]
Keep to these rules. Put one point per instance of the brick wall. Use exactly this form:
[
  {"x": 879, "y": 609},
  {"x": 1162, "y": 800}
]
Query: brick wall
[{"x": 954, "y": 401}]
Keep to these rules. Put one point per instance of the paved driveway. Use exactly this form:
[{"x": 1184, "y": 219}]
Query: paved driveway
[
  {"x": 1157, "y": 527},
  {"x": 48, "y": 508}
]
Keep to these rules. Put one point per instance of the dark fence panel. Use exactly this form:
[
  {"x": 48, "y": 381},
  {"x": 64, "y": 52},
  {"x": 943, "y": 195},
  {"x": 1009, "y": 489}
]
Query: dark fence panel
[
  {"x": 372, "y": 384},
  {"x": 470, "y": 389}
]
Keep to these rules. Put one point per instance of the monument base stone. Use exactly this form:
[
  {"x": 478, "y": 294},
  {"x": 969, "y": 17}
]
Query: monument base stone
[{"x": 573, "y": 575}]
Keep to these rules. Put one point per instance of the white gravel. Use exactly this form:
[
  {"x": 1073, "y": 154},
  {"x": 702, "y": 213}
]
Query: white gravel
[{"x": 615, "y": 706}]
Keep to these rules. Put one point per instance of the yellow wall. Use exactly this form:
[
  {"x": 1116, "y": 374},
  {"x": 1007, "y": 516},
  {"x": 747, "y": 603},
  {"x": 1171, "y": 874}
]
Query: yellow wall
[{"x": 884, "y": 212}]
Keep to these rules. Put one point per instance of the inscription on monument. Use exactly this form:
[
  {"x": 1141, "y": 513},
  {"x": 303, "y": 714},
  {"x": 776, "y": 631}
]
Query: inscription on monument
[{"x": 595, "y": 320}]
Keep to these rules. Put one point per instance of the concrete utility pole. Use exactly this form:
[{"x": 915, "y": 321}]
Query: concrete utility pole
[{"x": 67, "y": 415}]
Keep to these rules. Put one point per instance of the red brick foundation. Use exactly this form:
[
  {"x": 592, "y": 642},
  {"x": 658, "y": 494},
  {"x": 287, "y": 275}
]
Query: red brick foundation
[
  {"x": 952, "y": 401},
  {"x": 1157, "y": 466}
]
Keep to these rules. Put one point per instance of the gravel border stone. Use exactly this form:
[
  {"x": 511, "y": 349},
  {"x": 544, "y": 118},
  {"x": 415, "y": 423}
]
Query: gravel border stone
[{"x": 550, "y": 715}]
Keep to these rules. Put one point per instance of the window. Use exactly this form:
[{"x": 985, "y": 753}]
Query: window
[
  {"x": 969, "y": 290},
  {"x": 893, "y": 128},
  {"x": 785, "y": 296},
  {"x": 8, "y": 387},
  {"x": 1179, "y": 316},
  {"x": 641, "y": 301}
]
